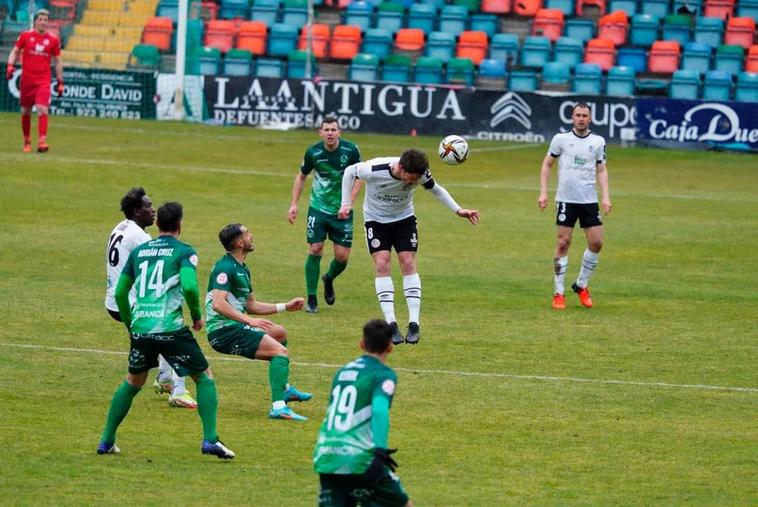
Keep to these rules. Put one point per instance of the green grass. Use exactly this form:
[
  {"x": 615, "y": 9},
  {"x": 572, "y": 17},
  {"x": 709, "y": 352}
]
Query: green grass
[{"x": 504, "y": 402}]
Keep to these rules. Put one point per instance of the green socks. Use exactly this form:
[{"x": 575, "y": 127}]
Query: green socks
[
  {"x": 312, "y": 270},
  {"x": 278, "y": 372},
  {"x": 207, "y": 406},
  {"x": 335, "y": 268},
  {"x": 120, "y": 404}
]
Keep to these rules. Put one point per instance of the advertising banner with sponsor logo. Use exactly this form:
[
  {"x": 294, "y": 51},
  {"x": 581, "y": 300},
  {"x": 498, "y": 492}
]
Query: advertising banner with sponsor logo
[
  {"x": 698, "y": 124},
  {"x": 94, "y": 92}
]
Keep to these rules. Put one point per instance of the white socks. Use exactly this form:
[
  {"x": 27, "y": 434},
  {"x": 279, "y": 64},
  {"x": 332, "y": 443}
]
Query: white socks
[
  {"x": 559, "y": 265},
  {"x": 385, "y": 292},
  {"x": 412, "y": 290},
  {"x": 166, "y": 372},
  {"x": 589, "y": 262}
]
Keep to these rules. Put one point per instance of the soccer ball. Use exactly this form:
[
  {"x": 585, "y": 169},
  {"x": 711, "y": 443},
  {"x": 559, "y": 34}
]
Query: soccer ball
[{"x": 453, "y": 150}]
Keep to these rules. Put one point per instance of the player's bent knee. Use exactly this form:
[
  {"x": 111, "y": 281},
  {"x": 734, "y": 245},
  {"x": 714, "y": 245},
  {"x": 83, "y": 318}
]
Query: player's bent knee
[{"x": 137, "y": 380}]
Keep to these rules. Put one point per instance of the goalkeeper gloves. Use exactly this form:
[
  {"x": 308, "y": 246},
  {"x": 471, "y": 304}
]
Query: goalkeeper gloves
[
  {"x": 375, "y": 470},
  {"x": 59, "y": 88},
  {"x": 9, "y": 71}
]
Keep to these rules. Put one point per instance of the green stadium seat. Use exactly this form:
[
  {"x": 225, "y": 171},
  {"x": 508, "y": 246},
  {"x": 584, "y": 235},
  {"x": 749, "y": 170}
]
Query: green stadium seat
[
  {"x": 296, "y": 65},
  {"x": 428, "y": 70},
  {"x": 397, "y": 69},
  {"x": 238, "y": 62},
  {"x": 364, "y": 67},
  {"x": 145, "y": 56},
  {"x": 460, "y": 71}
]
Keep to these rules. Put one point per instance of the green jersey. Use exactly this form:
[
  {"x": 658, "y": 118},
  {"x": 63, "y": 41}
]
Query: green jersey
[
  {"x": 234, "y": 277},
  {"x": 326, "y": 193},
  {"x": 154, "y": 266},
  {"x": 345, "y": 442}
]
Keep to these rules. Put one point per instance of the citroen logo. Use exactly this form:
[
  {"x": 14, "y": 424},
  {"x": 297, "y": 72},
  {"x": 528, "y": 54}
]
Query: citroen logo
[{"x": 512, "y": 106}]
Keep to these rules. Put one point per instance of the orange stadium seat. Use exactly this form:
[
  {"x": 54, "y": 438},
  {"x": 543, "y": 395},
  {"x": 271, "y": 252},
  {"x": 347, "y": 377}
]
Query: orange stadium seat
[
  {"x": 496, "y": 6},
  {"x": 580, "y": 4},
  {"x": 614, "y": 27},
  {"x": 345, "y": 42},
  {"x": 252, "y": 36},
  {"x": 319, "y": 39},
  {"x": 409, "y": 39},
  {"x": 548, "y": 23},
  {"x": 158, "y": 32},
  {"x": 751, "y": 65},
  {"x": 740, "y": 32},
  {"x": 472, "y": 44},
  {"x": 527, "y": 7},
  {"x": 220, "y": 35},
  {"x": 601, "y": 52},
  {"x": 664, "y": 56}
]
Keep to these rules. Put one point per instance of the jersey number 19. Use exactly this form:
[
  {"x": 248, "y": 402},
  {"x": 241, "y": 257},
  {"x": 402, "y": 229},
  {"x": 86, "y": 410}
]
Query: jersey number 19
[{"x": 343, "y": 406}]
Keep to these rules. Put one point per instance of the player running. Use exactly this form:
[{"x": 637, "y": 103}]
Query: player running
[
  {"x": 327, "y": 159},
  {"x": 390, "y": 221},
  {"x": 39, "y": 49},
  {"x": 352, "y": 455},
  {"x": 163, "y": 272},
  {"x": 581, "y": 163},
  {"x": 231, "y": 330}
]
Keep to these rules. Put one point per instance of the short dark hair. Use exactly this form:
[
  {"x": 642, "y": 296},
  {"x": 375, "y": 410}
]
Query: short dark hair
[
  {"x": 414, "y": 161},
  {"x": 132, "y": 201},
  {"x": 582, "y": 105},
  {"x": 170, "y": 217},
  {"x": 330, "y": 118},
  {"x": 377, "y": 336},
  {"x": 229, "y": 234}
]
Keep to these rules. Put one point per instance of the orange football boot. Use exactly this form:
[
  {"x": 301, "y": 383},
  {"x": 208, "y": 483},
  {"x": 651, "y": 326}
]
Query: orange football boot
[
  {"x": 584, "y": 295},
  {"x": 559, "y": 302}
]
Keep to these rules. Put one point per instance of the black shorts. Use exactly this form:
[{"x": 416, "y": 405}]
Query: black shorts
[
  {"x": 115, "y": 315},
  {"x": 403, "y": 235},
  {"x": 348, "y": 491},
  {"x": 566, "y": 214},
  {"x": 178, "y": 348}
]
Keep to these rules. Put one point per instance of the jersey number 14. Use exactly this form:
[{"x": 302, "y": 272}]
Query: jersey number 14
[{"x": 156, "y": 279}]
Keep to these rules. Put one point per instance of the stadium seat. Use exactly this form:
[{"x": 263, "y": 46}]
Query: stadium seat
[
  {"x": 677, "y": 27},
  {"x": 437, "y": 4},
  {"x": 729, "y": 58},
  {"x": 397, "y": 69},
  {"x": 266, "y": 11},
  {"x": 722, "y": 9},
  {"x": 526, "y": 8},
  {"x": 487, "y": 23},
  {"x": 644, "y": 30},
  {"x": 664, "y": 57},
  {"x": 145, "y": 56},
  {"x": 505, "y": 47},
  {"x": 569, "y": 51},
  {"x": 697, "y": 57},
  {"x": 389, "y": 16},
  {"x": 740, "y": 32},
  {"x": 297, "y": 65},
  {"x": 220, "y": 35},
  {"x": 282, "y": 39},
  {"x": 747, "y": 9},
  {"x": 209, "y": 58},
  {"x": 359, "y": 14},
  {"x": 628, "y": 6},
  {"x": 470, "y": 5},
  {"x": 496, "y": 6},
  {"x": 345, "y": 43},
  {"x": 422, "y": 16},
  {"x": 751, "y": 64},
  {"x": 231, "y": 9},
  {"x": 614, "y": 27},
  {"x": 522, "y": 81},
  {"x": 657, "y": 8},
  {"x": 601, "y": 52},
  {"x": 440, "y": 45},
  {"x": 535, "y": 52},
  {"x": 565, "y": 6},
  {"x": 363, "y": 67},
  {"x": 460, "y": 71},
  {"x": 717, "y": 85},
  {"x": 168, "y": 9},
  {"x": 548, "y": 23},
  {"x": 205, "y": 10},
  {"x": 294, "y": 12},
  {"x": 588, "y": 79},
  {"x": 319, "y": 39},
  {"x": 685, "y": 84},
  {"x": 491, "y": 68},
  {"x": 428, "y": 70},
  {"x": 472, "y": 44},
  {"x": 691, "y": 7},
  {"x": 252, "y": 37},
  {"x": 377, "y": 41},
  {"x": 636, "y": 58},
  {"x": 747, "y": 87},
  {"x": 556, "y": 73},
  {"x": 238, "y": 62},
  {"x": 582, "y": 29},
  {"x": 409, "y": 39},
  {"x": 452, "y": 19},
  {"x": 158, "y": 32},
  {"x": 620, "y": 82},
  {"x": 582, "y": 4},
  {"x": 269, "y": 67},
  {"x": 709, "y": 31}
]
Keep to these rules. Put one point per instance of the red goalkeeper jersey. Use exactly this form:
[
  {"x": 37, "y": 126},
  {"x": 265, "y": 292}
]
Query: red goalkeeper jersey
[{"x": 36, "y": 51}]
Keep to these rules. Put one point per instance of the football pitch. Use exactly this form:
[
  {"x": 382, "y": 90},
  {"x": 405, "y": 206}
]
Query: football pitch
[{"x": 649, "y": 398}]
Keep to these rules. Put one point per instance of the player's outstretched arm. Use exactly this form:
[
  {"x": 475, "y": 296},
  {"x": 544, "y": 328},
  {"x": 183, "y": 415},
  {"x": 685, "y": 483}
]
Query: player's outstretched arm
[{"x": 471, "y": 214}]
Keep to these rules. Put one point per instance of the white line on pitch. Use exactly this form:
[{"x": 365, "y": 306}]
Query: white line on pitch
[{"x": 545, "y": 378}]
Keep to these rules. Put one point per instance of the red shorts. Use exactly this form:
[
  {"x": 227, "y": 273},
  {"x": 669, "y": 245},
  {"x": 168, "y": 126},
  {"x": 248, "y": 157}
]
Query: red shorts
[{"x": 35, "y": 94}]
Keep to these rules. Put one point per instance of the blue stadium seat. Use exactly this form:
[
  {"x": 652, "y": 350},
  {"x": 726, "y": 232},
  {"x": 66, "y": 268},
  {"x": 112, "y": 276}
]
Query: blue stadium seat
[
  {"x": 296, "y": 65},
  {"x": 677, "y": 27},
  {"x": 556, "y": 73},
  {"x": 390, "y": 16},
  {"x": 364, "y": 67},
  {"x": 422, "y": 16},
  {"x": 360, "y": 14},
  {"x": 231, "y": 9},
  {"x": 492, "y": 68},
  {"x": 452, "y": 19},
  {"x": 428, "y": 70},
  {"x": 636, "y": 58},
  {"x": 717, "y": 85},
  {"x": 282, "y": 39},
  {"x": 709, "y": 31},
  {"x": 294, "y": 12},
  {"x": 685, "y": 84},
  {"x": 588, "y": 79},
  {"x": 397, "y": 69},
  {"x": 620, "y": 82},
  {"x": 209, "y": 59},
  {"x": 582, "y": 29},
  {"x": 569, "y": 51},
  {"x": 437, "y": 4},
  {"x": 657, "y": 8},
  {"x": 747, "y": 87},
  {"x": 644, "y": 30},
  {"x": 522, "y": 81},
  {"x": 169, "y": 9},
  {"x": 747, "y": 9},
  {"x": 729, "y": 58},
  {"x": 697, "y": 57},
  {"x": 691, "y": 6},
  {"x": 505, "y": 46},
  {"x": 377, "y": 41},
  {"x": 265, "y": 10},
  {"x": 238, "y": 62},
  {"x": 565, "y": 6},
  {"x": 535, "y": 52},
  {"x": 269, "y": 67},
  {"x": 440, "y": 45},
  {"x": 628, "y": 6},
  {"x": 487, "y": 23}
]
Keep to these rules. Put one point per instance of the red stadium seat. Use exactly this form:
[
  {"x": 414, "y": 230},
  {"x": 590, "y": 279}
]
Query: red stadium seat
[
  {"x": 319, "y": 39},
  {"x": 526, "y": 7},
  {"x": 580, "y": 4},
  {"x": 548, "y": 23},
  {"x": 719, "y": 8},
  {"x": 601, "y": 52},
  {"x": 252, "y": 36},
  {"x": 346, "y": 42},
  {"x": 496, "y": 6},
  {"x": 158, "y": 32},
  {"x": 409, "y": 39},
  {"x": 614, "y": 27},
  {"x": 751, "y": 65},
  {"x": 220, "y": 35},
  {"x": 740, "y": 32},
  {"x": 472, "y": 44},
  {"x": 664, "y": 57}
]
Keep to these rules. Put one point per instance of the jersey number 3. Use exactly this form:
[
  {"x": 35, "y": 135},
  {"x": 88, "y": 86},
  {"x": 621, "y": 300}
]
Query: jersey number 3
[{"x": 343, "y": 406}]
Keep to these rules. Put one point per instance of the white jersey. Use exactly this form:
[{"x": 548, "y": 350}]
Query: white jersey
[
  {"x": 388, "y": 199},
  {"x": 577, "y": 166},
  {"x": 126, "y": 236}
]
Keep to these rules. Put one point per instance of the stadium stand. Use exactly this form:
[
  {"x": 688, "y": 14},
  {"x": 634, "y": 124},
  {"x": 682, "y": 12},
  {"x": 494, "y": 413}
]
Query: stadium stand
[
  {"x": 747, "y": 87},
  {"x": 522, "y": 80},
  {"x": 270, "y": 67},
  {"x": 472, "y": 44},
  {"x": 588, "y": 79},
  {"x": 535, "y": 52},
  {"x": 460, "y": 71},
  {"x": 364, "y": 67},
  {"x": 614, "y": 27},
  {"x": 238, "y": 62},
  {"x": 729, "y": 58},
  {"x": 428, "y": 70},
  {"x": 740, "y": 32},
  {"x": 569, "y": 51},
  {"x": 297, "y": 65},
  {"x": 620, "y": 82},
  {"x": 685, "y": 84},
  {"x": 440, "y": 45},
  {"x": 601, "y": 52},
  {"x": 397, "y": 68},
  {"x": 565, "y": 6},
  {"x": 409, "y": 39},
  {"x": 717, "y": 85},
  {"x": 709, "y": 31},
  {"x": 252, "y": 37},
  {"x": 453, "y": 19},
  {"x": 377, "y": 41},
  {"x": 548, "y": 23},
  {"x": 390, "y": 16},
  {"x": 664, "y": 57}
]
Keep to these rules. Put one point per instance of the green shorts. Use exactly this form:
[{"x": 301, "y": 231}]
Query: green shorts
[
  {"x": 320, "y": 225},
  {"x": 236, "y": 339},
  {"x": 179, "y": 349},
  {"x": 347, "y": 491}
]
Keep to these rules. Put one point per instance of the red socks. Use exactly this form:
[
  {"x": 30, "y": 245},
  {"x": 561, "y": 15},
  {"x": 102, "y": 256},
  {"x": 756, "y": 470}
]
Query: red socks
[
  {"x": 26, "y": 126},
  {"x": 42, "y": 125}
]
